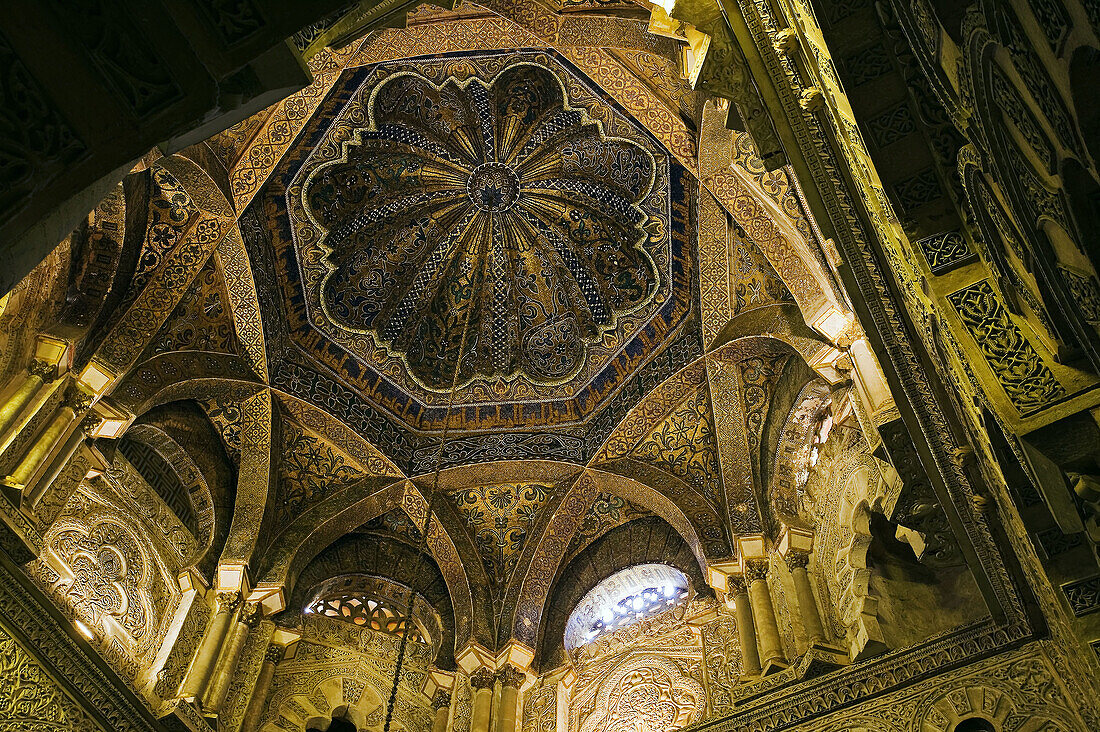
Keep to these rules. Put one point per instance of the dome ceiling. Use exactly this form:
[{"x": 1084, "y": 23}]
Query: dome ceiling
[
  {"x": 490, "y": 208},
  {"x": 494, "y": 204}
]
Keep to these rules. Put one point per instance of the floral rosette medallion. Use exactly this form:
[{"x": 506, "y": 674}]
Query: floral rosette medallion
[{"x": 487, "y": 218}]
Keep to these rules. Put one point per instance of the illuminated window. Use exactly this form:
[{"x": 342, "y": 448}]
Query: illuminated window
[
  {"x": 367, "y": 612},
  {"x": 626, "y": 597},
  {"x": 821, "y": 433},
  {"x": 377, "y": 603}
]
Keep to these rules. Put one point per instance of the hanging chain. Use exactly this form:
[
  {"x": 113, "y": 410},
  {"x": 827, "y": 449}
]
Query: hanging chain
[{"x": 422, "y": 544}]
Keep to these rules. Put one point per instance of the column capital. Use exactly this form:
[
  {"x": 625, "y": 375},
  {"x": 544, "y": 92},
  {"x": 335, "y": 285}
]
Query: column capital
[
  {"x": 737, "y": 585},
  {"x": 797, "y": 559},
  {"x": 43, "y": 369},
  {"x": 90, "y": 423},
  {"x": 483, "y": 678},
  {"x": 228, "y": 601},
  {"x": 441, "y": 699},
  {"x": 77, "y": 399},
  {"x": 511, "y": 676},
  {"x": 251, "y": 614},
  {"x": 756, "y": 569},
  {"x": 274, "y": 653}
]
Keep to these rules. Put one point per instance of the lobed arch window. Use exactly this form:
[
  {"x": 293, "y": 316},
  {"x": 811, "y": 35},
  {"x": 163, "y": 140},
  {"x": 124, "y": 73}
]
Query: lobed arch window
[
  {"x": 366, "y": 612},
  {"x": 624, "y": 598},
  {"x": 377, "y": 603}
]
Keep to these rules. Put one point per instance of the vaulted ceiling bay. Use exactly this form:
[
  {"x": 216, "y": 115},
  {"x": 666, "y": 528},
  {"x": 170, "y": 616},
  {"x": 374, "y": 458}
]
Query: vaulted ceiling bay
[{"x": 554, "y": 365}]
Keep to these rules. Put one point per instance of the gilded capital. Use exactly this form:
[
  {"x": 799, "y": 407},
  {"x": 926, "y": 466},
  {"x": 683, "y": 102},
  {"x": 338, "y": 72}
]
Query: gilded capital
[
  {"x": 737, "y": 586},
  {"x": 89, "y": 424},
  {"x": 511, "y": 676},
  {"x": 274, "y": 653},
  {"x": 77, "y": 399},
  {"x": 756, "y": 569},
  {"x": 43, "y": 369},
  {"x": 482, "y": 679},
  {"x": 251, "y": 614},
  {"x": 796, "y": 559},
  {"x": 441, "y": 700},
  {"x": 228, "y": 601}
]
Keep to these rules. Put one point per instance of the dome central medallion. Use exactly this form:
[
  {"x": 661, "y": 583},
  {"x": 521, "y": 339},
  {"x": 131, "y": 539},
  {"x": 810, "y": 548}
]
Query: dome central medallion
[
  {"x": 499, "y": 205},
  {"x": 493, "y": 187}
]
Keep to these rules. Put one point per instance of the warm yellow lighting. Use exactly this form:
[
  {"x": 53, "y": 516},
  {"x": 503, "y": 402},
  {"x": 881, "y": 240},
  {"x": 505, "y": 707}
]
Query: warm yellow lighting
[
  {"x": 473, "y": 657},
  {"x": 96, "y": 378},
  {"x": 437, "y": 680},
  {"x": 794, "y": 539},
  {"x": 718, "y": 574},
  {"x": 231, "y": 577},
  {"x": 84, "y": 630},
  {"x": 516, "y": 654},
  {"x": 270, "y": 597},
  {"x": 694, "y": 54},
  {"x": 114, "y": 421},
  {"x": 51, "y": 350},
  {"x": 832, "y": 323},
  {"x": 110, "y": 428},
  {"x": 751, "y": 546}
]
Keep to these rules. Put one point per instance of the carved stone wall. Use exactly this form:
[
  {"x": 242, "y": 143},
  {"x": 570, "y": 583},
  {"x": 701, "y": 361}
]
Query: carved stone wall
[
  {"x": 110, "y": 562},
  {"x": 31, "y": 698},
  {"x": 1018, "y": 691},
  {"x": 339, "y": 665},
  {"x": 663, "y": 673}
]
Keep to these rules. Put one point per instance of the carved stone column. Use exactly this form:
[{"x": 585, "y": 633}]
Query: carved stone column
[
  {"x": 807, "y": 603},
  {"x": 248, "y": 618},
  {"x": 256, "y": 702},
  {"x": 763, "y": 612},
  {"x": 87, "y": 427},
  {"x": 482, "y": 683},
  {"x": 746, "y": 628},
  {"x": 441, "y": 705},
  {"x": 38, "y": 374},
  {"x": 200, "y": 675},
  {"x": 76, "y": 402},
  {"x": 511, "y": 679}
]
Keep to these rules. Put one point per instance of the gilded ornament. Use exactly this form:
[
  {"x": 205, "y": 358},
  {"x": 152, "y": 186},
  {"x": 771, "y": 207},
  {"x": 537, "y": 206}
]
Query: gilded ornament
[
  {"x": 756, "y": 570},
  {"x": 797, "y": 559},
  {"x": 483, "y": 678},
  {"x": 42, "y": 369},
  {"x": 511, "y": 676},
  {"x": 228, "y": 601}
]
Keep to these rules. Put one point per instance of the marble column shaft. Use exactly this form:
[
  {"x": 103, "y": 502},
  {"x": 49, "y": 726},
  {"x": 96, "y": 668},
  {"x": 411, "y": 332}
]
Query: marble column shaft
[
  {"x": 807, "y": 603},
  {"x": 746, "y": 627},
  {"x": 199, "y": 677},
  {"x": 231, "y": 655},
  {"x": 37, "y": 374},
  {"x": 76, "y": 401},
  {"x": 441, "y": 705},
  {"x": 763, "y": 613},
  {"x": 258, "y": 700},
  {"x": 482, "y": 683},
  {"x": 511, "y": 679}
]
